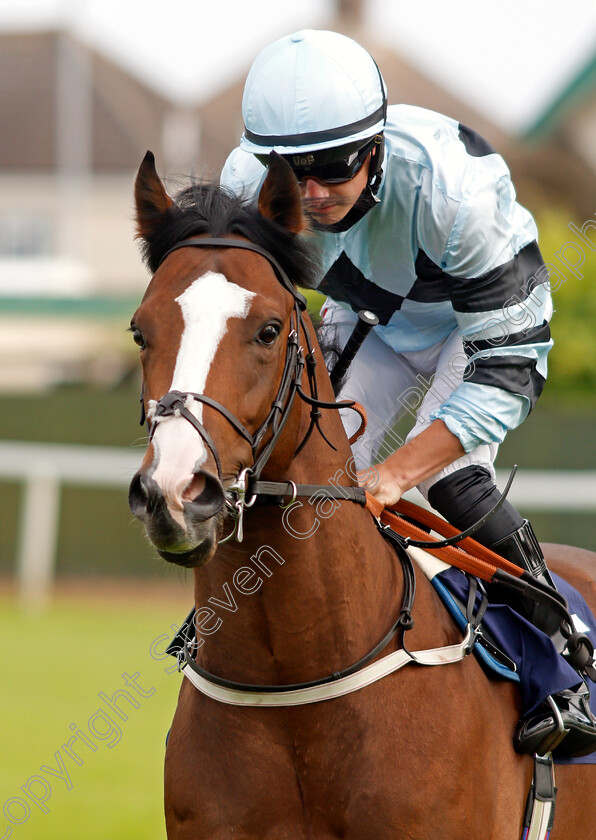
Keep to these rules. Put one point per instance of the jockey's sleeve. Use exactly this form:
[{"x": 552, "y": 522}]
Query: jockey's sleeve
[
  {"x": 242, "y": 174},
  {"x": 500, "y": 293},
  {"x": 497, "y": 281}
]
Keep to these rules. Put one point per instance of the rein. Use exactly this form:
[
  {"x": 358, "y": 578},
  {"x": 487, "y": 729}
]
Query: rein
[{"x": 248, "y": 483}]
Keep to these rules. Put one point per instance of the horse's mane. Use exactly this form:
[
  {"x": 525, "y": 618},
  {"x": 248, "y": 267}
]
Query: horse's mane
[{"x": 206, "y": 208}]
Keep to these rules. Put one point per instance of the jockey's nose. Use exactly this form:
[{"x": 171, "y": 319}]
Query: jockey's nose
[{"x": 313, "y": 189}]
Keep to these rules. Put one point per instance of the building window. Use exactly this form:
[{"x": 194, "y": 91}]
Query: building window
[{"x": 25, "y": 236}]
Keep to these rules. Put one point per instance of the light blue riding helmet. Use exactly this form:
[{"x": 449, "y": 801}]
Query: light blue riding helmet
[{"x": 312, "y": 90}]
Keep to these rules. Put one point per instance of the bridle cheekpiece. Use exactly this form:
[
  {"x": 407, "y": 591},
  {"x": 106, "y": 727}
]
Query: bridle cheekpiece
[{"x": 247, "y": 487}]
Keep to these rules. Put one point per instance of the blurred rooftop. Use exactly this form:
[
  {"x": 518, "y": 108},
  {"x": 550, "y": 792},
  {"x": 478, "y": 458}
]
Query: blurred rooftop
[{"x": 76, "y": 125}]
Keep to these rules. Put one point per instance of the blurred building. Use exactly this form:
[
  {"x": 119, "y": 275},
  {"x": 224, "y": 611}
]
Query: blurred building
[
  {"x": 558, "y": 152},
  {"x": 75, "y": 127},
  {"x": 553, "y": 163}
]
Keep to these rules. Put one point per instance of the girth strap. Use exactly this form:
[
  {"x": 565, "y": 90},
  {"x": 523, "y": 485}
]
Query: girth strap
[{"x": 540, "y": 804}]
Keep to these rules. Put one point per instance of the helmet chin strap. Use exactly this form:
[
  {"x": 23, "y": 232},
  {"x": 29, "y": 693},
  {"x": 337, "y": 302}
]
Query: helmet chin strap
[{"x": 365, "y": 201}]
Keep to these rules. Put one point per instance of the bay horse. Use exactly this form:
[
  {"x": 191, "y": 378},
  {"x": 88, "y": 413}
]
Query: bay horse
[{"x": 312, "y": 586}]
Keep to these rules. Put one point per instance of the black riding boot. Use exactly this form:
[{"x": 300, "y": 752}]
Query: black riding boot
[
  {"x": 563, "y": 723},
  {"x": 463, "y": 498},
  {"x": 522, "y": 548}
]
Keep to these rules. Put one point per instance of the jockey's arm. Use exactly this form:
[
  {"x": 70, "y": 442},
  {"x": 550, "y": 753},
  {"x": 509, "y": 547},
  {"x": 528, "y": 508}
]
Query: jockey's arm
[
  {"x": 499, "y": 291},
  {"x": 422, "y": 456}
]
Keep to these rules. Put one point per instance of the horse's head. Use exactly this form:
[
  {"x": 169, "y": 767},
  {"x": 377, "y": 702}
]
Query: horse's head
[{"x": 218, "y": 336}]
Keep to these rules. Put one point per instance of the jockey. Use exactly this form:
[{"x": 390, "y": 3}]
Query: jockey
[{"x": 416, "y": 220}]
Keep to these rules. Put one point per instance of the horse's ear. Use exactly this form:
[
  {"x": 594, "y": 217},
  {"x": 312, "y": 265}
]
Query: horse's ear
[
  {"x": 151, "y": 199},
  {"x": 279, "y": 199}
]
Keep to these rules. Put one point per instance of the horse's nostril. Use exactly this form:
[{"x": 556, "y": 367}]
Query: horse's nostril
[
  {"x": 137, "y": 495},
  {"x": 195, "y": 488},
  {"x": 202, "y": 499},
  {"x": 205, "y": 495},
  {"x": 144, "y": 496}
]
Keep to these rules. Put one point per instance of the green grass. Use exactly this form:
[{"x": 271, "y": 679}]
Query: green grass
[{"x": 54, "y": 664}]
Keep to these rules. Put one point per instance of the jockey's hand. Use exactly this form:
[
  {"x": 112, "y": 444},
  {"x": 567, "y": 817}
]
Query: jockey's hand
[
  {"x": 382, "y": 484},
  {"x": 418, "y": 459}
]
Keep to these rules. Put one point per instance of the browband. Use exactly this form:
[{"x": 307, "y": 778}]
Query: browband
[{"x": 245, "y": 245}]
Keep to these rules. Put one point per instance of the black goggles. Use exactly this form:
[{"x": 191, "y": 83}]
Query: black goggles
[{"x": 317, "y": 165}]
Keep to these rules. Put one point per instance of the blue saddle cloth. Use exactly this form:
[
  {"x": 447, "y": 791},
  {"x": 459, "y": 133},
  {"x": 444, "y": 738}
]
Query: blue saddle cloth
[{"x": 534, "y": 662}]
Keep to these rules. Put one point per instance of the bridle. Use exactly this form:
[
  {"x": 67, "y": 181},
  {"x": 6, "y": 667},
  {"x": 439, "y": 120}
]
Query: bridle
[
  {"x": 247, "y": 487},
  {"x": 248, "y": 483}
]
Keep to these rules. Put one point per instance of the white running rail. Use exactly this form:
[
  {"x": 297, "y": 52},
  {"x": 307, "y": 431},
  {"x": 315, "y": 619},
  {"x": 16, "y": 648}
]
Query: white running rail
[{"x": 44, "y": 467}]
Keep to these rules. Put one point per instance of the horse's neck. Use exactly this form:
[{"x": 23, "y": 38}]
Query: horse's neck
[{"x": 307, "y": 592}]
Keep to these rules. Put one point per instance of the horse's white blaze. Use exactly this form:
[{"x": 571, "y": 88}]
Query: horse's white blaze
[{"x": 207, "y": 305}]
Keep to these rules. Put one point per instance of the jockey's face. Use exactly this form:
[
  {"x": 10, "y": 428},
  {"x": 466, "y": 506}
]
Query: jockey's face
[{"x": 329, "y": 203}]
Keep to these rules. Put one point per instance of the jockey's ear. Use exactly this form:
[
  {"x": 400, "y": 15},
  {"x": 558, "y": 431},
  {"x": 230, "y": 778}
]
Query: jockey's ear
[
  {"x": 279, "y": 199},
  {"x": 151, "y": 199}
]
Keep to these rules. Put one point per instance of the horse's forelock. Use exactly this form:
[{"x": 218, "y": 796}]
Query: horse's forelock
[{"x": 205, "y": 208}]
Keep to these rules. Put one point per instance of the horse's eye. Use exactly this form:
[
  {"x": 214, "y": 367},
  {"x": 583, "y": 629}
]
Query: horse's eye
[
  {"x": 269, "y": 334},
  {"x": 137, "y": 336}
]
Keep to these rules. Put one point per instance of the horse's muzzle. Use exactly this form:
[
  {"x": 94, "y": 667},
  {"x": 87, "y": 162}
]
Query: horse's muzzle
[{"x": 187, "y": 537}]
